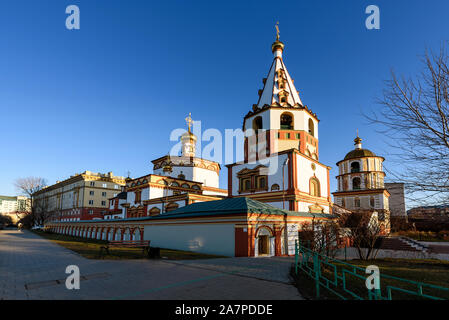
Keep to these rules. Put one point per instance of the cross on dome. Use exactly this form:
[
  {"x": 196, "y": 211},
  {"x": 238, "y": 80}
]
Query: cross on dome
[{"x": 278, "y": 89}]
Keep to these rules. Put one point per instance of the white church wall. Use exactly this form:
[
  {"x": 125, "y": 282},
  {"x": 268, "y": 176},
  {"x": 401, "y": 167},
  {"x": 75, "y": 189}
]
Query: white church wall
[
  {"x": 305, "y": 172},
  {"x": 207, "y": 177},
  {"x": 216, "y": 239}
]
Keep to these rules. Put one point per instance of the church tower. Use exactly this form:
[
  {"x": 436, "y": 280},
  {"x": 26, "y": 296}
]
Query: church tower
[
  {"x": 279, "y": 116},
  {"x": 281, "y": 165},
  {"x": 361, "y": 181}
]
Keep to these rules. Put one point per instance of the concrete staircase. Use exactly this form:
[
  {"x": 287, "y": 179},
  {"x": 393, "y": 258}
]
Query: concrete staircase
[{"x": 402, "y": 243}]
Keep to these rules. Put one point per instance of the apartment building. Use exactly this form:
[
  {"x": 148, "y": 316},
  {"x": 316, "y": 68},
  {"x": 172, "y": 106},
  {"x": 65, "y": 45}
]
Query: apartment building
[{"x": 83, "y": 196}]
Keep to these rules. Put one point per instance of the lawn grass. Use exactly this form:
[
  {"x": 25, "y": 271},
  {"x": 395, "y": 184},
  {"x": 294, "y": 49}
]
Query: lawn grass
[
  {"x": 90, "y": 248},
  {"x": 434, "y": 272}
]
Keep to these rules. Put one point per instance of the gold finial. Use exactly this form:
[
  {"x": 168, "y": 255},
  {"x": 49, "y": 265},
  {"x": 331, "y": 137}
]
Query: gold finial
[
  {"x": 277, "y": 31},
  {"x": 357, "y": 140},
  {"x": 189, "y": 121}
]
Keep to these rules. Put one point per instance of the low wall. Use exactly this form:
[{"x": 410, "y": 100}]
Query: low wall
[{"x": 218, "y": 239}]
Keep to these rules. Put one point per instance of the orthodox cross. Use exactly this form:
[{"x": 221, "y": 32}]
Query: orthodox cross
[
  {"x": 189, "y": 120},
  {"x": 277, "y": 31}
]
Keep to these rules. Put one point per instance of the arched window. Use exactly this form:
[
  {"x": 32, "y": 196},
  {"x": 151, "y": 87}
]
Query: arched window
[
  {"x": 355, "y": 166},
  {"x": 155, "y": 211},
  {"x": 257, "y": 124},
  {"x": 311, "y": 128},
  {"x": 371, "y": 202},
  {"x": 356, "y": 183},
  {"x": 275, "y": 187},
  {"x": 286, "y": 121},
  {"x": 185, "y": 185},
  {"x": 171, "y": 206},
  {"x": 314, "y": 187},
  {"x": 174, "y": 184},
  {"x": 262, "y": 182}
]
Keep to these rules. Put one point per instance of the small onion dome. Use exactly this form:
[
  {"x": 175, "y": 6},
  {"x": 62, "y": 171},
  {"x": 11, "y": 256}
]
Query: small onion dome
[
  {"x": 188, "y": 136},
  {"x": 277, "y": 45},
  {"x": 167, "y": 168},
  {"x": 128, "y": 179},
  {"x": 359, "y": 153}
]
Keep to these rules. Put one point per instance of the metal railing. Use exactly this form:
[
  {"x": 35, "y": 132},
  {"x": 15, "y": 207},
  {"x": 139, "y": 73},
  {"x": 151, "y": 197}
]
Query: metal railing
[{"x": 347, "y": 281}]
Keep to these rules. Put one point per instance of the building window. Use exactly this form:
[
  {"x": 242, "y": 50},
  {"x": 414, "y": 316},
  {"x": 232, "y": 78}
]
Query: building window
[
  {"x": 103, "y": 203},
  {"x": 288, "y": 135},
  {"x": 105, "y": 185},
  {"x": 286, "y": 121},
  {"x": 91, "y": 211},
  {"x": 245, "y": 184},
  {"x": 314, "y": 187},
  {"x": 91, "y": 202},
  {"x": 103, "y": 194},
  {"x": 116, "y": 186},
  {"x": 297, "y": 136},
  {"x": 356, "y": 183},
  {"x": 275, "y": 187},
  {"x": 371, "y": 202},
  {"x": 138, "y": 195},
  {"x": 262, "y": 183},
  {"x": 171, "y": 206},
  {"x": 155, "y": 211},
  {"x": 311, "y": 128},
  {"x": 357, "y": 202},
  {"x": 257, "y": 124},
  {"x": 92, "y": 184},
  {"x": 343, "y": 203},
  {"x": 355, "y": 167},
  {"x": 91, "y": 193}
]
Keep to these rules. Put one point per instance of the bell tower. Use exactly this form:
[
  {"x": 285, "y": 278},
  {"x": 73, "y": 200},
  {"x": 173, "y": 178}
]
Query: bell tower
[{"x": 279, "y": 120}]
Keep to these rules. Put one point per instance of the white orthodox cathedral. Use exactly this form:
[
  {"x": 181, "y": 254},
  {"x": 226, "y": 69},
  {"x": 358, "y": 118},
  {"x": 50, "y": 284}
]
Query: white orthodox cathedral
[{"x": 280, "y": 185}]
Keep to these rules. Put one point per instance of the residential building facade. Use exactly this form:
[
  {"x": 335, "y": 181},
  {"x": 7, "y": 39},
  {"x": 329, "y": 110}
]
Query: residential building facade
[{"x": 83, "y": 196}]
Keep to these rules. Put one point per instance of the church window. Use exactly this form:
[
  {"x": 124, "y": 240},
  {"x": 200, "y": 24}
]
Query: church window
[
  {"x": 185, "y": 185},
  {"x": 171, "y": 206},
  {"x": 155, "y": 211},
  {"x": 262, "y": 182},
  {"x": 286, "y": 121},
  {"x": 314, "y": 187},
  {"x": 196, "y": 187},
  {"x": 297, "y": 136},
  {"x": 357, "y": 202},
  {"x": 288, "y": 135},
  {"x": 138, "y": 196},
  {"x": 257, "y": 124},
  {"x": 174, "y": 184},
  {"x": 311, "y": 128},
  {"x": 275, "y": 187},
  {"x": 371, "y": 202},
  {"x": 355, "y": 167},
  {"x": 356, "y": 183}
]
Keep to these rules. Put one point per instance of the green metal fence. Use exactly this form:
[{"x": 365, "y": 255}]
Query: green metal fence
[{"x": 347, "y": 281}]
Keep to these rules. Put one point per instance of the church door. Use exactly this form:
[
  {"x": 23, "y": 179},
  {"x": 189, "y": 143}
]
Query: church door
[{"x": 263, "y": 245}]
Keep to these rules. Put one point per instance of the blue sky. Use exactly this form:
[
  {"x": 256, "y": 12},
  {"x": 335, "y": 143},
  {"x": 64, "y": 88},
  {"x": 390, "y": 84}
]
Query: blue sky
[{"x": 106, "y": 97}]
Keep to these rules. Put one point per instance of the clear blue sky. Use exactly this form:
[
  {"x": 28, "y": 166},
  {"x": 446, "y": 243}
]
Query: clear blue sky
[{"x": 106, "y": 97}]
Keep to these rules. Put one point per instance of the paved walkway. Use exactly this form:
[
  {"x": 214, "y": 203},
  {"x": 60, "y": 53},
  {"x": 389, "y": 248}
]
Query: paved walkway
[{"x": 34, "y": 268}]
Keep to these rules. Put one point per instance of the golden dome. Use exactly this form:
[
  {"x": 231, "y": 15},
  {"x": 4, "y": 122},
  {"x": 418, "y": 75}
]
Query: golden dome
[{"x": 277, "y": 45}]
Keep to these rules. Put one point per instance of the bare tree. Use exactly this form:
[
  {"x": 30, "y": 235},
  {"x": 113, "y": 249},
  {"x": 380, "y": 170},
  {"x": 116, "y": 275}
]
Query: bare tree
[
  {"x": 414, "y": 114},
  {"x": 28, "y": 187},
  {"x": 365, "y": 231}
]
